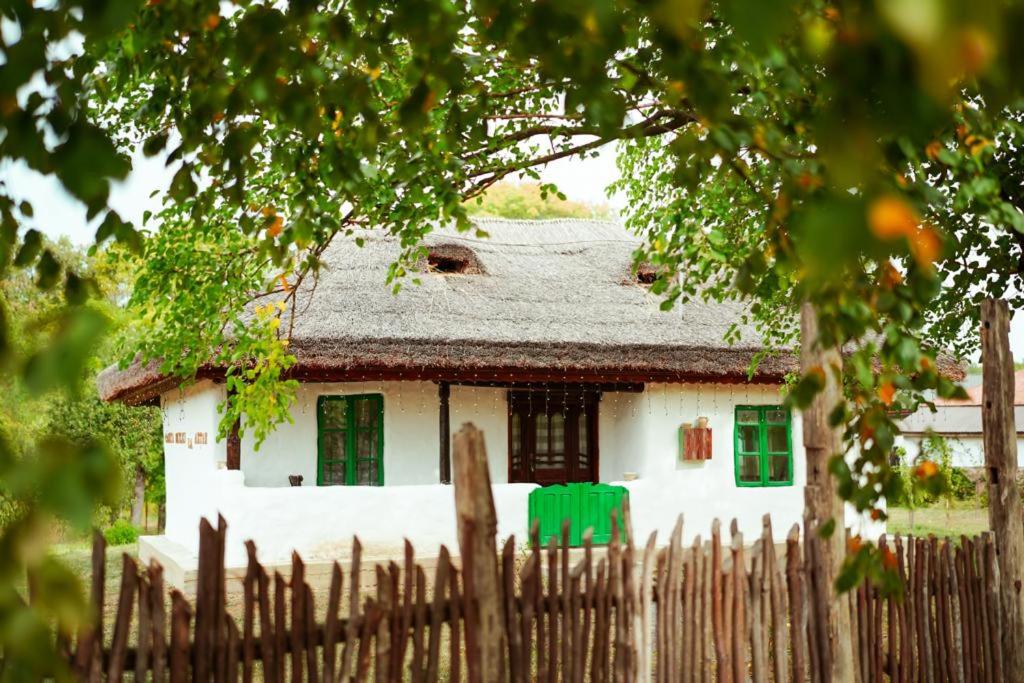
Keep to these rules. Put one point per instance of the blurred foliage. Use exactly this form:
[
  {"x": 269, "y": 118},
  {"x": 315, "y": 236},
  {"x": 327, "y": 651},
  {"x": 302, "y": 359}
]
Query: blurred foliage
[
  {"x": 533, "y": 201},
  {"x": 855, "y": 155},
  {"x": 121, "y": 532}
]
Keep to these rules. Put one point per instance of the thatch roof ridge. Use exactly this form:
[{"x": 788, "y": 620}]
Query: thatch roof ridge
[{"x": 554, "y": 297}]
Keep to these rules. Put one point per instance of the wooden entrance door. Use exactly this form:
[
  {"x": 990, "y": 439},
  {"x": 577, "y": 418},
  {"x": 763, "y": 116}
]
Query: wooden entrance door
[{"x": 553, "y": 437}]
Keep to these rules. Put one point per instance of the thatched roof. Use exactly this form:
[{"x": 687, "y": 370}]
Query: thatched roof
[{"x": 551, "y": 300}]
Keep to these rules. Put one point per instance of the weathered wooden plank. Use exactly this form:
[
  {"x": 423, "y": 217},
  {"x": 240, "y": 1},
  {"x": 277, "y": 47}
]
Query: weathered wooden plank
[
  {"x": 758, "y": 662},
  {"x": 588, "y": 589},
  {"x": 531, "y": 585},
  {"x": 231, "y": 651},
  {"x": 512, "y": 628},
  {"x": 477, "y": 530},
  {"x": 144, "y": 641},
  {"x": 249, "y": 588},
  {"x": 644, "y": 610},
  {"x": 331, "y": 621},
  {"x": 408, "y": 583},
  {"x": 777, "y": 597},
  {"x": 297, "y": 640},
  {"x": 551, "y": 609},
  {"x": 348, "y": 651},
  {"x": 89, "y": 646},
  {"x": 268, "y": 652},
  {"x": 123, "y": 620},
  {"x": 723, "y": 654},
  {"x": 437, "y": 613},
  {"x": 576, "y": 653},
  {"x": 159, "y": 615},
  {"x": 181, "y": 616},
  {"x": 455, "y": 643},
  {"x": 1004, "y": 508},
  {"x": 565, "y": 623},
  {"x": 206, "y": 602},
  {"x": 280, "y": 624},
  {"x": 418, "y": 671},
  {"x": 740, "y": 596},
  {"x": 599, "y": 655},
  {"x": 691, "y": 664},
  {"x": 382, "y": 651}
]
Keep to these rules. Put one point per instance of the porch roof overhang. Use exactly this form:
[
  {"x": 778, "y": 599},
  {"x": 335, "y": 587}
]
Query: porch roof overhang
[{"x": 484, "y": 363}]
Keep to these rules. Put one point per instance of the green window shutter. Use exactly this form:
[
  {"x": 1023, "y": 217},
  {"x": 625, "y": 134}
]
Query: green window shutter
[
  {"x": 585, "y": 505},
  {"x": 763, "y": 446},
  {"x": 350, "y": 440}
]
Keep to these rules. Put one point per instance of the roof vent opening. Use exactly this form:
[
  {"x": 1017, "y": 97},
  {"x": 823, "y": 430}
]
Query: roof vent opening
[
  {"x": 646, "y": 274},
  {"x": 453, "y": 259}
]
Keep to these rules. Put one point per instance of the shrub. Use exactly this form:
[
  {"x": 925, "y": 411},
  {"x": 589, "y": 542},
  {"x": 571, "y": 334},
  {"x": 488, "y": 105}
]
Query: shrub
[
  {"x": 960, "y": 485},
  {"x": 121, "y": 532}
]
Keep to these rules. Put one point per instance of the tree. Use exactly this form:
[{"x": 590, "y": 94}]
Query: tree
[
  {"x": 531, "y": 200},
  {"x": 292, "y": 124}
]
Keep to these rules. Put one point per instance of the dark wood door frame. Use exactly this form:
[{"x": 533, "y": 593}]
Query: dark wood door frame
[{"x": 529, "y": 404}]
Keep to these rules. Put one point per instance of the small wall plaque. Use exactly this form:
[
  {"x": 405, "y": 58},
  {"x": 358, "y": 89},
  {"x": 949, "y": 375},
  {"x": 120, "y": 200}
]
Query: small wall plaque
[
  {"x": 179, "y": 437},
  {"x": 168, "y": 437},
  {"x": 200, "y": 439},
  {"x": 695, "y": 441}
]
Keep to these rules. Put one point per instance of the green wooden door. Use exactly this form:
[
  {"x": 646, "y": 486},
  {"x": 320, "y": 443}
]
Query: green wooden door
[{"x": 584, "y": 505}]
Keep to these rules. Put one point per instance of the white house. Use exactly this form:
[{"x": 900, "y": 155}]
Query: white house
[
  {"x": 959, "y": 423},
  {"x": 542, "y": 337}
]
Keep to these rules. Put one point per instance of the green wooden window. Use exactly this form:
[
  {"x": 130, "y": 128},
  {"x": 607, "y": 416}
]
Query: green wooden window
[
  {"x": 350, "y": 440},
  {"x": 764, "y": 446}
]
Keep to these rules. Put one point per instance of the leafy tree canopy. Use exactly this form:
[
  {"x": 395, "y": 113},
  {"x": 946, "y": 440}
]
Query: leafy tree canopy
[{"x": 854, "y": 155}]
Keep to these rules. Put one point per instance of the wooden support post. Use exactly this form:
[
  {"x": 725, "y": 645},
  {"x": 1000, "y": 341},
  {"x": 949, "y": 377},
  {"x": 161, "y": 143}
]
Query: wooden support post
[
  {"x": 821, "y": 442},
  {"x": 478, "y": 548},
  {"x": 1004, "y": 507},
  {"x": 234, "y": 447},
  {"x": 444, "y": 392}
]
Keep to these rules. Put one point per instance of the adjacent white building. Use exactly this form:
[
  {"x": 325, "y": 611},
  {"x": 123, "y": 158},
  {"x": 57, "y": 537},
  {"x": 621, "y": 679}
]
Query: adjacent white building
[
  {"x": 541, "y": 336},
  {"x": 959, "y": 423}
]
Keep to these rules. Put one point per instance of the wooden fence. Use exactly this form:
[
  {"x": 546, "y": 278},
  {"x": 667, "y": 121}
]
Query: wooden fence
[
  {"x": 717, "y": 610},
  {"x": 710, "y": 611}
]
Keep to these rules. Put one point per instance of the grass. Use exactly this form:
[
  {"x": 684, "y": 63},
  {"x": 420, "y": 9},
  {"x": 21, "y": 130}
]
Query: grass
[{"x": 937, "y": 520}]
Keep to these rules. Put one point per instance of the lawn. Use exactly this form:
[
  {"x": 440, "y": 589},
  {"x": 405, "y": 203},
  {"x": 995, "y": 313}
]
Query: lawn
[{"x": 938, "y": 521}]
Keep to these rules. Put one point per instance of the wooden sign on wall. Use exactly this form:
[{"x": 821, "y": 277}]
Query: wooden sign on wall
[{"x": 695, "y": 442}]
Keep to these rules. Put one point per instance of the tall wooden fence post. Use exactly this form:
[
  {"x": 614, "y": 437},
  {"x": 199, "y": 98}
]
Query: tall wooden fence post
[
  {"x": 1004, "y": 507},
  {"x": 478, "y": 529},
  {"x": 821, "y": 442}
]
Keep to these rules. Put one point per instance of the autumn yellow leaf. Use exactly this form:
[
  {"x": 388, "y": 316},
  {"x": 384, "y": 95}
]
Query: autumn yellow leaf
[
  {"x": 853, "y": 545},
  {"x": 889, "y": 560},
  {"x": 275, "y": 228},
  {"x": 212, "y": 21},
  {"x": 932, "y": 150},
  {"x": 889, "y": 277},
  {"x": 889, "y": 217},
  {"x": 925, "y": 246},
  {"x": 926, "y": 470},
  {"x": 886, "y": 393}
]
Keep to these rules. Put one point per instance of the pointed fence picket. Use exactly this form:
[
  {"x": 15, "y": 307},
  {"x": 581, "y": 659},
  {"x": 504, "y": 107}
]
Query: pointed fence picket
[{"x": 658, "y": 613}]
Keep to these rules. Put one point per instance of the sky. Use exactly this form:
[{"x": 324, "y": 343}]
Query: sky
[{"x": 57, "y": 214}]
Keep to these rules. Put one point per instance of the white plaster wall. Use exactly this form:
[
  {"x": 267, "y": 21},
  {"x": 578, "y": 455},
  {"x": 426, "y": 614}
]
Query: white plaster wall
[
  {"x": 701, "y": 491},
  {"x": 487, "y": 409},
  {"x": 410, "y": 436},
  {"x": 638, "y": 433},
  {"x": 320, "y": 522},
  {"x": 190, "y": 466},
  {"x": 967, "y": 450}
]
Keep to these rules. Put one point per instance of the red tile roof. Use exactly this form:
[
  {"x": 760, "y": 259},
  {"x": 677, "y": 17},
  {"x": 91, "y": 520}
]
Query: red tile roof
[{"x": 974, "y": 394}]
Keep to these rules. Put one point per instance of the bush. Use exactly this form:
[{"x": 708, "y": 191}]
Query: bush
[
  {"x": 960, "y": 485},
  {"x": 121, "y": 532}
]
